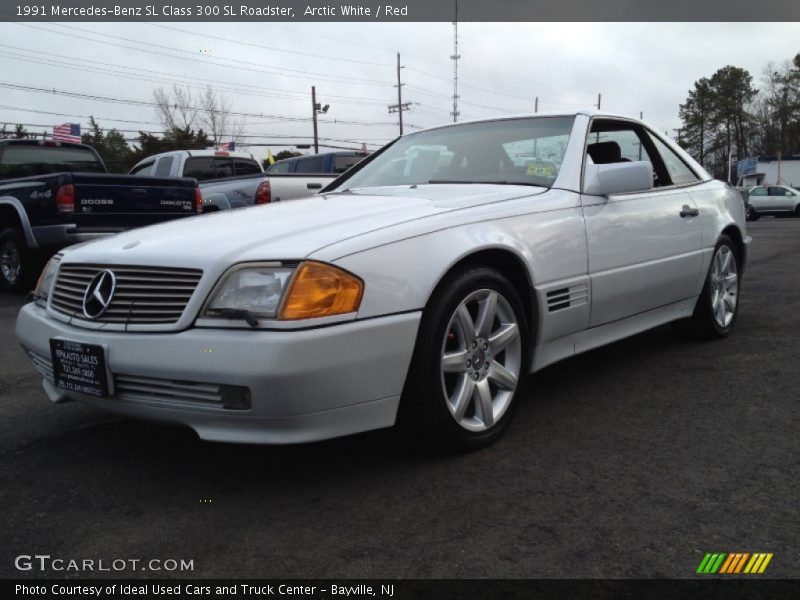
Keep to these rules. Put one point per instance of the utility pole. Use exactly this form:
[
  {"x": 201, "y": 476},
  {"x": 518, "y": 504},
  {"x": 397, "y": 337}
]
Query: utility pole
[
  {"x": 536, "y": 105},
  {"x": 316, "y": 109},
  {"x": 598, "y": 101},
  {"x": 455, "y": 58},
  {"x": 314, "y": 114},
  {"x": 400, "y": 106}
]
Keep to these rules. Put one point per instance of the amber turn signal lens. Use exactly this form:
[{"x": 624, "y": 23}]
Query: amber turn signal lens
[{"x": 320, "y": 290}]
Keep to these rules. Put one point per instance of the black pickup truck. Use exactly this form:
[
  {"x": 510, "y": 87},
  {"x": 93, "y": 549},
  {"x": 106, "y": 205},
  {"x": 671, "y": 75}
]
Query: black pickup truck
[{"x": 53, "y": 194}]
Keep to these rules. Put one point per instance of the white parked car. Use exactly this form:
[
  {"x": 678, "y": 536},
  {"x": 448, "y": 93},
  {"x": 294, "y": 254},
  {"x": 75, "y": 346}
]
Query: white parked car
[
  {"x": 773, "y": 200},
  {"x": 419, "y": 288}
]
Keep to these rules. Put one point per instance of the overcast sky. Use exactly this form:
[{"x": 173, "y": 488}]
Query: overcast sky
[{"x": 266, "y": 69}]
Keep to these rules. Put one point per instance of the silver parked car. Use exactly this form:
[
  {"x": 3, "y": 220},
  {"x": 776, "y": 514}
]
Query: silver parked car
[
  {"x": 419, "y": 288},
  {"x": 773, "y": 200}
]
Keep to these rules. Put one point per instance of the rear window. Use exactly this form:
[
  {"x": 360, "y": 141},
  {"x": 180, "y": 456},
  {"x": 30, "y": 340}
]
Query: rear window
[
  {"x": 23, "y": 161},
  {"x": 164, "y": 167},
  {"x": 203, "y": 168},
  {"x": 246, "y": 166}
]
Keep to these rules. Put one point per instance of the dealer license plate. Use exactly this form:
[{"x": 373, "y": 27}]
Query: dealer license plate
[{"x": 79, "y": 367}]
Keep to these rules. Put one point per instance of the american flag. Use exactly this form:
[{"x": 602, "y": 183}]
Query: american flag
[
  {"x": 68, "y": 132},
  {"x": 228, "y": 146}
]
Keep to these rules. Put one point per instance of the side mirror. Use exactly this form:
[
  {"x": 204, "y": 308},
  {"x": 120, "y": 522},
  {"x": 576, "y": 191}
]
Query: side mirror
[{"x": 617, "y": 178}]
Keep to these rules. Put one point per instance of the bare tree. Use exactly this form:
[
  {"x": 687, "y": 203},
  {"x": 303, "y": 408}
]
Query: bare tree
[
  {"x": 176, "y": 108},
  {"x": 215, "y": 115}
]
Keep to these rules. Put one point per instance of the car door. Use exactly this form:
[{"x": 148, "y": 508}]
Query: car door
[
  {"x": 758, "y": 198},
  {"x": 780, "y": 197},
  {"x": 644, "y": 247}
]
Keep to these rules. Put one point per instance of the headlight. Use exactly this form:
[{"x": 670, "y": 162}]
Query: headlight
[
  {"x": 42, "y": 290},
  {"x": 321, "y": 290},
  {"x": 256, "y": 289},
  {"x": 271, "y": 291}
]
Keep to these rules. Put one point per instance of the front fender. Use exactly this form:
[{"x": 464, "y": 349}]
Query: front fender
[{"x": 401, "y": 276}]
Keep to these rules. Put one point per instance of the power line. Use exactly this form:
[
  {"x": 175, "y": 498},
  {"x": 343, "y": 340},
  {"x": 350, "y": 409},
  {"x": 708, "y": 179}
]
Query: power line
[
  {"x": 296, "y": 73},
  {"x": 137, "y": 102},
  {"x": 160, "y": 76},
  {"x": 271, "y": 48}
]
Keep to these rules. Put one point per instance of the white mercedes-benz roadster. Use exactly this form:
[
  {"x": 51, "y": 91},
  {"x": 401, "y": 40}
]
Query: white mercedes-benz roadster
[{"x": 419, "y": 289}]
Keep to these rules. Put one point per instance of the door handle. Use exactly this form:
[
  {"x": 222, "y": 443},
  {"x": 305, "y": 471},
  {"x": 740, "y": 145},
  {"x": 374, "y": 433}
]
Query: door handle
[
  {"x": 314, "y": 186},
  {"x": 688, "y": 211}
]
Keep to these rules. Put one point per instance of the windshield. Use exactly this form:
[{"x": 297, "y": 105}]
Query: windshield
[{"x": 525, "y": 151}]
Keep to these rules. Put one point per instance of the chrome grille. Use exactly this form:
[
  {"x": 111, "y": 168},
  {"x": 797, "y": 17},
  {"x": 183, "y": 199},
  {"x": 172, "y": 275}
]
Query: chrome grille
[{"x": 143, "y": 295}]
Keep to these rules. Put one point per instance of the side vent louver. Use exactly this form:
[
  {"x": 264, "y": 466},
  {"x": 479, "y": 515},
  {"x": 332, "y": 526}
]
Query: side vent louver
[{"x": 562, "y": 298}]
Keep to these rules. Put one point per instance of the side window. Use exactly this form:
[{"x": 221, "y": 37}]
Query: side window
[
  {"x": 312, "y": 164},
  {"x": 758, "y": 191},
  {"x": 342, "y": 163},
  {"x": 612, "y": 141},
  {"x": 779, "y": 191},
  {"x": 679, "y": 172},
  {"x": 164, "y": 166},
  {"x": 143, "y": 169},
  {"x": 246, "y": 166}
]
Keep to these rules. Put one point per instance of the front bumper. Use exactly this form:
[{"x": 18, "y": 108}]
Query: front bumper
[
  {"x": 747, "y": 242},
  {"x": 304, "y": 385}
]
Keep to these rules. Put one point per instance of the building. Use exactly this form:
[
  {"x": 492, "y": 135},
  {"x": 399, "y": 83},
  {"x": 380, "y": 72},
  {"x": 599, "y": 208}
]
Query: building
[{"x": 769, "y": 170}]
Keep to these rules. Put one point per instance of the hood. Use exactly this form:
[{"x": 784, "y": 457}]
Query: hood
[{"x": 287, "y": 230}]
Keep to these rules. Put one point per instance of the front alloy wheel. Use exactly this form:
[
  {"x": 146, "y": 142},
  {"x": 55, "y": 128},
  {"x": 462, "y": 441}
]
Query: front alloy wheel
[
  {"x": 469, "y": 363},
  {"x": 481, "y": 360}
]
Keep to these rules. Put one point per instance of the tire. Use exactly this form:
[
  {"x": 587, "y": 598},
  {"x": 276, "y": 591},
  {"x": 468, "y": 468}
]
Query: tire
[
  {"x": 17, "y": 267},
  {"x": 748, "y": 212},
  {"x": 718, "y": 305},
  {"x": 797, "y": 211},
  {"x": 464, "y": 379}
]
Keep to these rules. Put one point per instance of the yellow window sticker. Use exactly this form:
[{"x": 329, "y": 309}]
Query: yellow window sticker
[{"x": 541, "y": 170}]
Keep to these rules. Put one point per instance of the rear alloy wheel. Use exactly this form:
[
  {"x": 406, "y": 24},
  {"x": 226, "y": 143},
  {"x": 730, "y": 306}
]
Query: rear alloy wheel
[
  {"x": 469, "y": 363},
  {"x": 718, "y": 304},
  {"x": 15, "y": 265}
]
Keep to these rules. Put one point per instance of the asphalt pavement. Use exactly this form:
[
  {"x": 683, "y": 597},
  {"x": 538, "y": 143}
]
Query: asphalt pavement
[{"x": 632, "y": 460}]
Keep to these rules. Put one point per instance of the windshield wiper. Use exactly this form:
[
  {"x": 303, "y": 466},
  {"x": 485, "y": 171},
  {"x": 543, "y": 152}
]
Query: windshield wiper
[
  {"x": 484, "y": 182},
  {"x": 453, "y": 181}
]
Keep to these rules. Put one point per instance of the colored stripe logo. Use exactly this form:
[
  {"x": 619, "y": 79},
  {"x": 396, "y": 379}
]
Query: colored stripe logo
[{"x": 734, "y": 563}]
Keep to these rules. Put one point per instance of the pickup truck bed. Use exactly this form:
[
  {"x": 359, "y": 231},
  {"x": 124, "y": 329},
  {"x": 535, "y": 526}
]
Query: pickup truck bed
[{"x": 42, "y": 213}]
